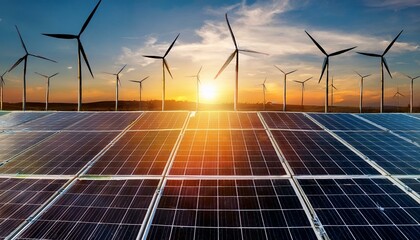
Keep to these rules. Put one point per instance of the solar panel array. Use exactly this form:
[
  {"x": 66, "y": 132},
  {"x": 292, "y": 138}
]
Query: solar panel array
[{"x": 209, "y": 175}]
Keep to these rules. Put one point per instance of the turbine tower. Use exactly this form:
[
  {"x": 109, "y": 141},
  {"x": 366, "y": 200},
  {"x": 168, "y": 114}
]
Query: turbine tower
[
  {"x": 264, "y": 89},
  {"x": 303, "y": 88},
  {"x": 80, "y": 51},
  {"x": 326, "y": 64},
  {"x": 47, "y": 88},
  {"x": 284, "y": 84},
  {"x": 197, "y": 76},
  {"x": 235, "y": 53},
  {"x": 383, "y": 63},
  {"x": 140, "y": 82},
  {"x": 2, "y": 83},
  {"x": 25, "y": 62},
  {"x": 117, "y": 83},
  {"x": 361, "y": 90},
  {"x": 411, "y": 91},
  {"x": 164, "y": 65},
  {"x": 332, "y": 91}
]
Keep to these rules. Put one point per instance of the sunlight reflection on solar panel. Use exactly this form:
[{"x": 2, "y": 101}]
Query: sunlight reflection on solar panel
[
  {"x": 411, "y": 135},
  {"x": 342, "y": 121},
  {"x": 106, "y": 121},
  {"x": 13, "y": 119},
  {"x": 225, "y": 120},
  {"x": 55, "y": 121},
  {"x": 161, "y": 120},
  {"x": 280, "y": 120},
  {"x": 226, "y": 152},
  {"x": 393, "y": 121},
  {"x": 101, "y": 209},
  {"x": 137, "y": 153},
  {"x": 19, "y": 198}
]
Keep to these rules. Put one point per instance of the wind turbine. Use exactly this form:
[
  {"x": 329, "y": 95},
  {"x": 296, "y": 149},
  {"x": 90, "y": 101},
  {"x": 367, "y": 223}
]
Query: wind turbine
[
  {"x": 303, "y": 88},
  {"x": 140, "y": 82},
  {"x": 25, "y": 62},
  {"x": 332, "y": 91},
  {"x": 326, "y": 65},
  {"x": 361, "y": 90},
  {"x": 80, "y": 51},
  {"x": 383, "y": 63},
  {"x": 264, "y": 89},
  {"x": 2, "y": 83},
  {"x": 197, "y": 76},
  {"x": 47, "y": 88},
  {"x": 397, "y": 95},
  {"x": 412, "y": 91},
  {"x": 235, "y": 53},
  {"x": 284, "y": 84},
  {"x": 117, "y": 83},
  {"x": 164, "y": 65}
]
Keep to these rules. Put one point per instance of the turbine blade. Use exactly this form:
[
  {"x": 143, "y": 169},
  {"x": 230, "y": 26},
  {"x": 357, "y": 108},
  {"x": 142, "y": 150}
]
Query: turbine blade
[
  {"x": 251, "y": 51},
  {"x": 264, "y": 81},
  {"x": 144, "y": 79},
  {"x": 291, "y": 72},
  {"x": 89, "y": 18},
  {"x": 135, "y": 81},
  {"x": 109, "y": 73},
  {"x": 369, "y": 54},
  {"x": 307, "y": 80},
  {"x": 154, "y": 57},
  {"x": 386, "y": 66},
  {"x": 297, "y": 81},
  {"x": 226, "y": 63},
  {"x": 170, "y": 47},
  {"x": 280, "y": 69},
  {"x": 85, "y": 57},
  {"x": 41, "y": 74},
  {"x": 167, "y": 67},
  {"x": 367, "y": 76},
  {"x": 17, "y": 63},
  {"x": 358, "y": 74},
  {"x": 324, "y": 66},
  {"x": 199, "y": 71},
  {"x": 334, "y": 87},
  {"x": 407, "y": 76},
  {"x": 341, "y": 51},
  {"x": 392, "y": 43},
  {"x": 122, "y": 69},
  {"x": 21, "y": 40},
  {"x": 416, "y": 77},
  {"x": 41, "y": 57},
  {"x": 317, "y": 44},
  {"x": 231, "y": 32},
  {"x": 118, "y": 81},
  {"x": 53, "y": 75},
  {"x": 402, "y": 94},
  {"x": 61, "y": 36}
]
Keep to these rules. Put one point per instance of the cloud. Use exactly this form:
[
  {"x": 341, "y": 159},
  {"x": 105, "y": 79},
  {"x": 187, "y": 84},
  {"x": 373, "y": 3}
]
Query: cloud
[
  {"x": 130, "y": 69},
  {"x": 70, "y": 67}
]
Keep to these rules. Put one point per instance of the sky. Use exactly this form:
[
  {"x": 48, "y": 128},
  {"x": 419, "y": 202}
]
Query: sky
[{"x": 122, "y": 31}]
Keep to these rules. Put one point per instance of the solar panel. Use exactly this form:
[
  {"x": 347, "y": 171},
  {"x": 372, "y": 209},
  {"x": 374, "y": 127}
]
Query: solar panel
[
  {"x": 224, "y": 120},
  {"x": 319, "y": 153},
  {"x": 342, "y": 121},
  {"x": 226, "y": 152},
  {"x": 230, "y": 209},
  {"x": 390, "y": 152},
  {"x": 13, "y": 143},
  {"x": 281, "y": 120},
  {"x": 137, "y": 153},
  {"x": 411, "y": 135},
  {"x": 394, "y": 121},
  {"x": 105, "y": 121},
  {"x": 20, "y": 198},
  {"x": 363, "y": 208},
  {"x": 15, "y": 118},
  {"x": 416, "y": 115},
  {"x": 65, "y": 153},
  {"x": 3, "y": 113},
  {"x": 101, "y": 209},
  {"x": 412, "y": 183},
  {"x": 55, "y": 121},
  {"x": 161, "y": 120}
]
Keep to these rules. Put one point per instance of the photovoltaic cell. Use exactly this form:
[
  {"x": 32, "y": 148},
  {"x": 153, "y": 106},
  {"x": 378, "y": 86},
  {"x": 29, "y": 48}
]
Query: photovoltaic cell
[
  {"x": 3, "y": 113},
  {"x": 280, "y": 120},
  {"x": 394, "y": 121},
  {"x": 19, "y": 198},
  {"x": 96, "y": 209},
  {"x": 342, "y": 121},
  {"x": 416, "y": 115},
  {"x": 54, "y": 121},
  {"x": 225, "y": 120},
  {"x": 411, "y": 135},
  {"x": 160, "y": 120},
  {"x": 13, "y": 143},
  {"x": 137, "y": 153},
  {"x": 413, "y": 183},
  {"x": 65, "y": 153},
  {"x": 230, "y": 209},
  {"x": 106, "y": 121},
  {"x": 226, "y": 152},
  {"x": 319, "y": 153},
  {"x": 390, "y": 152},
  {"x": 363, "y": 208},
  {"x": 13, "y": 119}
]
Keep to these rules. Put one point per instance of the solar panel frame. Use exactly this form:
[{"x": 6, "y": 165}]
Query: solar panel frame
[
  {"x": 342, "y": 121},
  {"x": 412, "y": 183},
  {"x": 393, "y": 154},
  {"x": 226, "y": 152},
  {"x": 106, "y": 121},
  {"x": 289, "y": 120},
  {"x": 319, "y": 153},
  {"x": 350, "y": 208},
  {"x": 161, "y": 120},
  {"x": 413, "y": 136},
  {"x": 393, "y": 121},
  {"x": 224, "y": 120}
]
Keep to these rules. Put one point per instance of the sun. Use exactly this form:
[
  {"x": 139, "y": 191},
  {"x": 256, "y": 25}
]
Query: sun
[{"x": 208, "y": 92}]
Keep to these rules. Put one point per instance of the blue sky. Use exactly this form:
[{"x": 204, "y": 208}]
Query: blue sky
[{"x": 122, "y": 31}]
